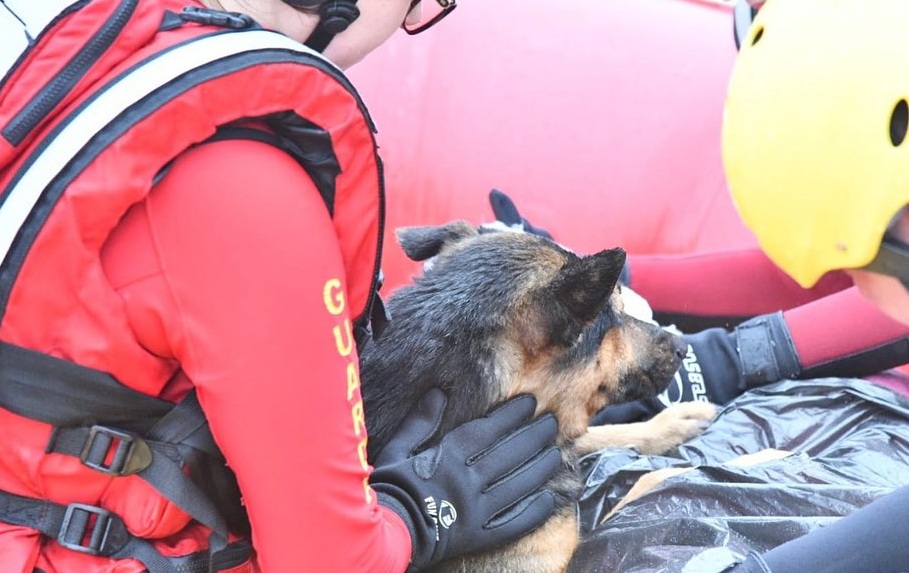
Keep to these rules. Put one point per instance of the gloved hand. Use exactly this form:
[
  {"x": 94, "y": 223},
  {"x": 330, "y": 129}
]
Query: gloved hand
[
  {"x": 506, "y": 212},
  {"x": 481, "y": 486},
  {"x": 720, "y": 366}
]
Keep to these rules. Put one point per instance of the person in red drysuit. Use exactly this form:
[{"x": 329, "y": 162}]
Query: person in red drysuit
[
  {"x": 816, "y": 171},
  {"x": 217, "y": 278},
  {"x": 233, "y": 279},
  {"x": 779, "y": 328},
  {"x": 194, "y": 292}
]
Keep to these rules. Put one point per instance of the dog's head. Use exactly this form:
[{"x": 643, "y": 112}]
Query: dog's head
[
  {"x": 505, "y": 313},
  {"x": 542, "y": 294}
]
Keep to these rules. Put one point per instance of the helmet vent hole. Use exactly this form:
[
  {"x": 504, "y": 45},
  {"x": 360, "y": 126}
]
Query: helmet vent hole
[
  {"x": 899, "y": 122},
  {"x": 758, "y": 34}
]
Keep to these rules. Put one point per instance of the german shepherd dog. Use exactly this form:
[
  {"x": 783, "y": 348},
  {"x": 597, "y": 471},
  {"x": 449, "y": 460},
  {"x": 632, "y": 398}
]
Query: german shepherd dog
[{"x": 504, "y": 313}]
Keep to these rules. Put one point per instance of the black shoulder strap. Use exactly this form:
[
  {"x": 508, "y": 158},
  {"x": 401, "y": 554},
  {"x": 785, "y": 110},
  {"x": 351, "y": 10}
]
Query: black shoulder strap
[
  {"x": 306, "y": 142},
  {"x": 62, "y": 393}
]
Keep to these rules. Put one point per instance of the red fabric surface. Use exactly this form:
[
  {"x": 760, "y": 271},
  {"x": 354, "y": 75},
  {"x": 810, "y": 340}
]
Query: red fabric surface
[
  {"x": 601, "y": 119},
  {"x": 225, "y": 270}
]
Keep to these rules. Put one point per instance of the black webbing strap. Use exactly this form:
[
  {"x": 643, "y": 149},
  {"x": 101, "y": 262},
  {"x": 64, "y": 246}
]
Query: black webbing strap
[
  {"x": 157, "y": 463},
  {"x": 186, "y": 425},
  {"x": 62, "y": 393},
  {"x": 85, "y": 529},
  {"x": 95, "y": 417}
]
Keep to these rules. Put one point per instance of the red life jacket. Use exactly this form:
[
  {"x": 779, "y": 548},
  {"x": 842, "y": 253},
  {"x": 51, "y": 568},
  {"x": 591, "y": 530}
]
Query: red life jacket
[{"x": 94, "y": 468}]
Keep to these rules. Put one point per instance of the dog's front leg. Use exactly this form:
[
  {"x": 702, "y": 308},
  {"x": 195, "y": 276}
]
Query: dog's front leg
[{"x": 676, "y": 424}]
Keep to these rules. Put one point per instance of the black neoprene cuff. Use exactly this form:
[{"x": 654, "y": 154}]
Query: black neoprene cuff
[{"x": 766, "y": 350}]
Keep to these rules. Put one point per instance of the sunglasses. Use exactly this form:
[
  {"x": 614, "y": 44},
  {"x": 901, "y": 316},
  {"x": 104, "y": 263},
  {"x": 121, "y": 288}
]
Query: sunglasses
[{"x": 431, "y": 13}]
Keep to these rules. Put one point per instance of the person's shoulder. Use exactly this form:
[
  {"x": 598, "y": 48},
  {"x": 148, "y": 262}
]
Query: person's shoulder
[{"x": 238, "y": 186}]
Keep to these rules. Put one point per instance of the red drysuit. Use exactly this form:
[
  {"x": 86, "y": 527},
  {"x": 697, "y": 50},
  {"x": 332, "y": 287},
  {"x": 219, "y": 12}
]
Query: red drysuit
[{"x": 224, "y": 270}]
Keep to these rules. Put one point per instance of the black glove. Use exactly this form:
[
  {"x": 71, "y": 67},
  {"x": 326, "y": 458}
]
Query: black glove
[
  {"x": 720, "y": 366},
  {"x": 481, "y": 486},
  {"x": 506, "y": 212}
]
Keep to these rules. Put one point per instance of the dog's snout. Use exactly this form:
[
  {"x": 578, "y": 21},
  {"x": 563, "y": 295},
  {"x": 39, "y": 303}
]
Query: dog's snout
[{"x": 679, "y": 347}]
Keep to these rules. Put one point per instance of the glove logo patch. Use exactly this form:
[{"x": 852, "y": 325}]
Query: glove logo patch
[
  {"x": 443, "y": 513},
  {"x": 672, "y": 394},
  {"x": 447, "y": 514},
  {"x": 693, "y": 379}
]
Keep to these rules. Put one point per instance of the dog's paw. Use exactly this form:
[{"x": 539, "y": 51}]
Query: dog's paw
[
  {"x": 674, "y": 425},
  {"x": 677, "y": 424}
]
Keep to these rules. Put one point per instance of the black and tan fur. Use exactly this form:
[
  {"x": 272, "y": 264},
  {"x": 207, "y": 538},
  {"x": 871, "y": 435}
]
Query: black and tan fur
[{"x": 501, "y": 314}]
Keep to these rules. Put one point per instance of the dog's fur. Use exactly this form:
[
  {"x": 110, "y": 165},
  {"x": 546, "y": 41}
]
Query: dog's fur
[{"x": 500, "y": 314}]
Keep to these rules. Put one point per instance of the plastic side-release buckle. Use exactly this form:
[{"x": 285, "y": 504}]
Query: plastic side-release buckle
[
  {"x": 232, "y": 20},
  {"x": 92, "y": 530},
  {"x": 127, "y": 453}
]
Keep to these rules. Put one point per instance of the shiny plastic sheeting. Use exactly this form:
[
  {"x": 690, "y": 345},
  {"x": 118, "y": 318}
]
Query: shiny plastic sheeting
[{"x": 850, "y": 445}]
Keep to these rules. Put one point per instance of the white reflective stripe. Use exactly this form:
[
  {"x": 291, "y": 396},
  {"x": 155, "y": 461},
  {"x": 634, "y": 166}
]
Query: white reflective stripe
[
  {"x": 37, "y": 14},
  {"x": 13, "y": 40},
  {"x": 159, "y": 71}
]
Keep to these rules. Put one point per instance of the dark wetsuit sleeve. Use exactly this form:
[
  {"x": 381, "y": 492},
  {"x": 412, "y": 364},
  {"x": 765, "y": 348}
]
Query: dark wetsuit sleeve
[
  {"x": 243, "y": 287},
  {"x": 870, "y": 540}
]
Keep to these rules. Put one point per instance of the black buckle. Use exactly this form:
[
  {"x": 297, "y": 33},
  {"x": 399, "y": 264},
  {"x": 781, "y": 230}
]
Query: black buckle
[
  {"x": 131, "y": 453},
  {"x": 232, "y": 20},
  {"x": 106, "y": 534}
]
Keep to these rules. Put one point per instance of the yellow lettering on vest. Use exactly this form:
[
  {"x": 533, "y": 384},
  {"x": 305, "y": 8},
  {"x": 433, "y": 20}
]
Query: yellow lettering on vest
[
  {"x": 334, "y": 297},
  {"x": 361, "y": 450},
  {"x": 353, "y": 380},
  {"x": 359, "y": 419},
  {"x": 344, "y": 338}
]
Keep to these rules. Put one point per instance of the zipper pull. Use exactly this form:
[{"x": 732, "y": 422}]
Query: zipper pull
[{"x": 232, "y": 20}]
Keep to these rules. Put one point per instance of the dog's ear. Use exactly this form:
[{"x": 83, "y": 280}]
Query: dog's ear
[
  {"x": 585, "y": 284},
  {"x": 421, "y": 243}
]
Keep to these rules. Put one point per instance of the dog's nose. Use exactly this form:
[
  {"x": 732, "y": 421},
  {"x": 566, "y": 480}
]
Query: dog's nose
[{"x": 679, "y": 347}]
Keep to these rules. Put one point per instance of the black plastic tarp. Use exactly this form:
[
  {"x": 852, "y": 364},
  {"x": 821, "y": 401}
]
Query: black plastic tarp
[{"x": 849, "y": 440}]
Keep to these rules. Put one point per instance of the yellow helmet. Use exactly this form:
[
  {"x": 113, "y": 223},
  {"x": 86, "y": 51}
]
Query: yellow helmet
[{"x": 814, "y": 128}]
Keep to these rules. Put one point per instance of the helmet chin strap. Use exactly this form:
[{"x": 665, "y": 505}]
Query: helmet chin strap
[
  {"x": 334, "y": 17},
  {"x": 892, "y": 260}
]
